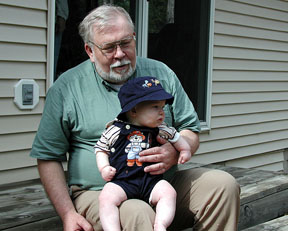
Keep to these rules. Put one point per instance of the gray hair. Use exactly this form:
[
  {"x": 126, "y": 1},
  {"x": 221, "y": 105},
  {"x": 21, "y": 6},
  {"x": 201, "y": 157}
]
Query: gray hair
[{"x": 101, "y": 18}]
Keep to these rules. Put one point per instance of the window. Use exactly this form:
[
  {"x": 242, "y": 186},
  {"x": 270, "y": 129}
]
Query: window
[
  {"x": 178, "y": 35},
  {"x": 177, "y": 32},
  {"x": 68, "y": 47}
]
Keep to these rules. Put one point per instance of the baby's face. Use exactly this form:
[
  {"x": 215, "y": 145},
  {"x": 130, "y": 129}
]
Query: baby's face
[{"x": 150, "y": 113}]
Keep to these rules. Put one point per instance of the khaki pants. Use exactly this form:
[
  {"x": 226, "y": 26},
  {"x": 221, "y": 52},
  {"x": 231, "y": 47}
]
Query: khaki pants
[{"x": 207, "y": 199}]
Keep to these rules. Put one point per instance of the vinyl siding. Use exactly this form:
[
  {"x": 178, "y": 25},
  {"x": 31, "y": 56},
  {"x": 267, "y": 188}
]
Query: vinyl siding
[
  {"x": 23, "y": 55},
  {"x": 249, "y": 114}
]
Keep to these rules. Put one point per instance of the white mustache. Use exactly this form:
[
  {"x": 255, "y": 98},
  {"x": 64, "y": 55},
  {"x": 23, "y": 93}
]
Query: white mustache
[{"x": 120, "y": 63}]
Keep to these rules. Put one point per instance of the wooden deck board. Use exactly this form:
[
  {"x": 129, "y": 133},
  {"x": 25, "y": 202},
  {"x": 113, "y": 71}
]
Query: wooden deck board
[
  {"x": 50, "y": 224},
  {"x": 279, "y": 224},
  {"x": 264, "y": 196},
  {"x": 24, "y": 204}
]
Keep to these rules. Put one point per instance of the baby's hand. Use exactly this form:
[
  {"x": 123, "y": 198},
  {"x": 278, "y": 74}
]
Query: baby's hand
[
  {"x": 184, "y": 156},
  {"x": 108, "y": 172}
]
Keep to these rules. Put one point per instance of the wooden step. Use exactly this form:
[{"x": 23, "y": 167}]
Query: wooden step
[
  {"x": 279, "y": 224},
  {"x": 25, "y": 206},
  {"x": 264, "y": 196}
]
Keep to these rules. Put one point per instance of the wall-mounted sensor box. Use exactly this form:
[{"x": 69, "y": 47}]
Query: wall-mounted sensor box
[{"x": 26, "y": 94}]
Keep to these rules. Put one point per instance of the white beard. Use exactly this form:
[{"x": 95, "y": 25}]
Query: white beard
[{"x": 112, "y": 76}]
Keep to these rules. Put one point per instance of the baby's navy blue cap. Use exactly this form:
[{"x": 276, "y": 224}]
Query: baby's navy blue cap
[{"x": 142, "y": 89}]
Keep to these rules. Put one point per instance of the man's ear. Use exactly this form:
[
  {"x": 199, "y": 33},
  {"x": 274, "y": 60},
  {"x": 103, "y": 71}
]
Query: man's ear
[{"x": 89, "y": 52}]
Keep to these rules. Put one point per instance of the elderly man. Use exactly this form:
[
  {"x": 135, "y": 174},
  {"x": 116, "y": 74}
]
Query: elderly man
[{"x": 77, "y": 108}]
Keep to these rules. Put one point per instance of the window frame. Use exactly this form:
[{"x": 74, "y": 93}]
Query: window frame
[
  {"x": 206, "y": 125},
  {"x": 141, "y": 28},
  {"x": 50, "y": 44}
]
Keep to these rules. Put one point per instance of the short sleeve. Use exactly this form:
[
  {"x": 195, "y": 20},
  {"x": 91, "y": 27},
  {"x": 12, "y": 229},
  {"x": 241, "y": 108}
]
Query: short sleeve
[
  {"x": 52, "y": 138},
  {"x": 108, "y": 139}
]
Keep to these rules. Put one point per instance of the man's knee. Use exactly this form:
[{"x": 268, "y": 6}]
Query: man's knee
[
  {"x": 222, "y": 181},
  {"x": 86, "y": 204},
  {"x": 136, "y": 215}
]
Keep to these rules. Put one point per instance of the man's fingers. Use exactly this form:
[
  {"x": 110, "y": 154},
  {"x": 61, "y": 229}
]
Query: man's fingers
[
  {"x": 151, "y": 158},
  {"x": 155, "y": 169},
  {"x": 155, "y": 172},
  {"x": 150, "y": 151},
  {"x": 86, "y": 226}
]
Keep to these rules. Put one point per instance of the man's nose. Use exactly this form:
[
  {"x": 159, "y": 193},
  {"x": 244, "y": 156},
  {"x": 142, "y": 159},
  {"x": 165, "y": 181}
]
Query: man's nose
[{"x": 119, "y": 52}]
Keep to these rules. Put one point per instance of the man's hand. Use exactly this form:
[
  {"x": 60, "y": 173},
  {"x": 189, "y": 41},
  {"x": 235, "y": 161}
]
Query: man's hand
[
  {"x": 75, "y": 222},
  {"x": 164, "y": 157},
  {"x": 53, "y": 179}
]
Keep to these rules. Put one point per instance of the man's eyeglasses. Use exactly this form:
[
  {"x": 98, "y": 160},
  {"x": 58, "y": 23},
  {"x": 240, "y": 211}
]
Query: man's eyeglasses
[{"x": 109, "y": 49}]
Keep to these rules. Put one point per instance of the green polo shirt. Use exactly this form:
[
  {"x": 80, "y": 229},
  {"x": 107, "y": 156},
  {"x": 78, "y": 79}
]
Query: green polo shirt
[{"x": 77, "y": 108}]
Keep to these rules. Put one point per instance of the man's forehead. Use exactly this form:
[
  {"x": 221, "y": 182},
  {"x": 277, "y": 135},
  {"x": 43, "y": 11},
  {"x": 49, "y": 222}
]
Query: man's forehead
[{"x": 111, "y": 32}]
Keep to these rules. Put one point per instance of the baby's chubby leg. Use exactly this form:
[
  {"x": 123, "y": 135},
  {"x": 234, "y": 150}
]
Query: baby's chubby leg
[
  {"x": 111, "y": 196},
  {"x": 163, "y": 196}
]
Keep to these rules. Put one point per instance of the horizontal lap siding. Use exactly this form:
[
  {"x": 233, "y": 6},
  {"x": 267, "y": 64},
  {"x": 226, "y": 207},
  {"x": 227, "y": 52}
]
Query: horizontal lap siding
[
  {"x": 267, "y": 161},
  {"x": 24, "y": 123},
  {"x": 7, "y": 87},
  {"x": 23, "y": 55},
  {"x": 249, "y": 115}
]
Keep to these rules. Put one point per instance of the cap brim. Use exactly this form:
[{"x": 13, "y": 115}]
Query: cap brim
[{"x": 155, "y": 96}]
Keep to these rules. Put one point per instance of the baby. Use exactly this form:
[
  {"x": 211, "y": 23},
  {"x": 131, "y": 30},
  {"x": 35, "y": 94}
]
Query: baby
[{"x": 117, "y": 152}]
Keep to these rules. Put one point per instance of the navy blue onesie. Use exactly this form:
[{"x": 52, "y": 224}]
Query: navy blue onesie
[{"x": 124, "y": 156}]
